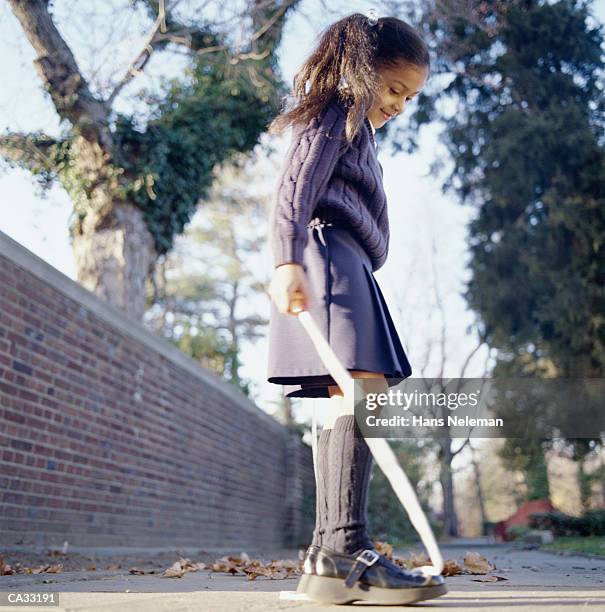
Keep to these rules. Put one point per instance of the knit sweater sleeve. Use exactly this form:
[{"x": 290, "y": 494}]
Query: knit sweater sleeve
[{"x": 310, "y": 161}]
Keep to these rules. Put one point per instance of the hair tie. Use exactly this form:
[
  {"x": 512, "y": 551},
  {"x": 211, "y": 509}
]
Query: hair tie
[{"x": 372, "y": 17}]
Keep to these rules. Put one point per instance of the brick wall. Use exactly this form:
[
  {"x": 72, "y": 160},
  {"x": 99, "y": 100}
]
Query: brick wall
[
  {"x": 300, "y": 494},
  {"x": 109, "y": 436}
]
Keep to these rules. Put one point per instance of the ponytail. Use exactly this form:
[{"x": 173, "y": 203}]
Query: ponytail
[{"x": 343, "y": 65}]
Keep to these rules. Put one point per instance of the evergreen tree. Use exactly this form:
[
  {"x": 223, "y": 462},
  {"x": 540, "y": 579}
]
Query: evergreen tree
[
  {"x": 526, "y": 141},
  {"x": 526, "y": 137}
]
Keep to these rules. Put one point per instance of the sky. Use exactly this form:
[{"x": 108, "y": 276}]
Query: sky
[{"x": 428, "y": 253}]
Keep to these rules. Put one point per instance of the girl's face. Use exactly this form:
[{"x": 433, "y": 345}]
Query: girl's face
[{"x": 398, "y": 85}]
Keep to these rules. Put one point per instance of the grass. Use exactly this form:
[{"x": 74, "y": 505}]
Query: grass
[{"x": 593, "y": 544}]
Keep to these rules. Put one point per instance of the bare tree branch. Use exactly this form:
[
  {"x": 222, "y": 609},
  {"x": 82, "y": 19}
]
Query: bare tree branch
[
  {"x": 440, "y": 306},
  {"x": 138, "y": 64},
  {"x": 167, "y": 29},
  {"x": 60, "y": 74},
  {"x": 466, "y": 443},
  {"x": 272, "y": 20},
  {"x": 469, "y": 357}
]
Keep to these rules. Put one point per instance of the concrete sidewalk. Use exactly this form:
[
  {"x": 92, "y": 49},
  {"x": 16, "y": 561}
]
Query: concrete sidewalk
[{"x": 534, "y": 579}]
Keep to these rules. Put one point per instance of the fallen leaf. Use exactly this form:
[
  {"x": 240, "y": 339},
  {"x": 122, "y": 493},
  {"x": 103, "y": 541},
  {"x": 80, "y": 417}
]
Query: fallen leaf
[
  {"x": 451, "y": 567},
  {"x": 179, "y": 568},
  {"x": 419, "y": 559},
  {"x": 490, "y": 578},
  {"x": 37, "y": 570},
  {"x": 384, "y": 548},
  {"x": 5, "y": 568},
  {"x": 476, "y": 563}
]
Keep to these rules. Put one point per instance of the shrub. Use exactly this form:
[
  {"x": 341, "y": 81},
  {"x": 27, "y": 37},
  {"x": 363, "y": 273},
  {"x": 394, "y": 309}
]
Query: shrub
[
  {"x": 516, "y": 532},
  {"x": 596, "y": 522},
  {"x": 561, "y": 524}
]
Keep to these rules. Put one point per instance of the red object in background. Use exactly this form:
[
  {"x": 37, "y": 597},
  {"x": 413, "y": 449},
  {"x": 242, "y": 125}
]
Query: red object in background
[{"x": 521, "y": 516}]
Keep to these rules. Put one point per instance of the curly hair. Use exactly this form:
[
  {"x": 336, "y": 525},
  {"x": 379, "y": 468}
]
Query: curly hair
[{"x": 344, "y": 65}]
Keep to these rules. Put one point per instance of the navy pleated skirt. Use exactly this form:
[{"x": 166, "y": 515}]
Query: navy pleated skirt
[{"x": 350, "y": 310}]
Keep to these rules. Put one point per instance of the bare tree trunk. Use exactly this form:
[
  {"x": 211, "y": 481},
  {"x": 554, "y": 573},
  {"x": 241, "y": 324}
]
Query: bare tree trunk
[
  {"x": 450, "y": 520},
  {"x": 113, "y": 259},
  {"x": 480, "y": 500},
  {"x": 113, "y": 248},
  {"x": 232, "y": 325},
  {"x": 584, "y": 484},
  {"x": 285, "y": 411}
]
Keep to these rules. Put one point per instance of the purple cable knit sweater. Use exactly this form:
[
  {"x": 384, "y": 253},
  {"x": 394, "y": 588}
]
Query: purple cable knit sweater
[{"x": 324, "y": 176}]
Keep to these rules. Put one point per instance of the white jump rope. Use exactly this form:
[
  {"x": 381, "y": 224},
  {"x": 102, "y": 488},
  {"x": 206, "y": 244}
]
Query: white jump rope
[{"x": 380, "y": 449}]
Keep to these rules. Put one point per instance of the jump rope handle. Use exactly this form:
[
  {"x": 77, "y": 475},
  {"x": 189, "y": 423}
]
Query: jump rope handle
[{"x": 379, "y": 447}]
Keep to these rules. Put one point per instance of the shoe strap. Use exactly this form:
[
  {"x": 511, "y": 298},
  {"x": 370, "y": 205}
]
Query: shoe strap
[{"x": 364, "y": 560}]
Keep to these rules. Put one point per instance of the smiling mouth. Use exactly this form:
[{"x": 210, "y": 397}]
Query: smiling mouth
[{"x": 386, "y": 115}]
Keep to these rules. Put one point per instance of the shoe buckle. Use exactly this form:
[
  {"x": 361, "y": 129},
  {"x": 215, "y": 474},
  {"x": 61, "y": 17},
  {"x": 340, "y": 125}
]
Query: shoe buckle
[{"x": 368, "y": 556}]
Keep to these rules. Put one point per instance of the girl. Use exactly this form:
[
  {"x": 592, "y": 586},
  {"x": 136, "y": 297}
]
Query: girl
[{"x": 329, "y": 233}]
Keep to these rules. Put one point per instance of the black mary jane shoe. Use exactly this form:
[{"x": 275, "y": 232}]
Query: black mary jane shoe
[
  {"x": 366, "y": 575},
  {"x": 308, "y": 567}
]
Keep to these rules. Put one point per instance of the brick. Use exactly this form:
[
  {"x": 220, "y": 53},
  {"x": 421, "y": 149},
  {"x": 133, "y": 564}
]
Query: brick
[
  {"x": 8, "y": 389},
  {"x": 28, "y": 395},
  {"x": 21, "y": 445},
  {"x": 13, "y": 416}
]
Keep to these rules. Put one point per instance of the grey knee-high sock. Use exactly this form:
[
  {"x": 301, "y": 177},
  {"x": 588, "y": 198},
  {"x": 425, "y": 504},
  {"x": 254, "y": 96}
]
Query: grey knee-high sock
[
  {"x": 350, "y": 465},
  {"x": 321, "y": 502}
]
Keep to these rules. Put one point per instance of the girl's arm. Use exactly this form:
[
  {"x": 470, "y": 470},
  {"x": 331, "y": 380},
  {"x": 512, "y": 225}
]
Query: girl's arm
[{"x": 311, "y": 158}]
